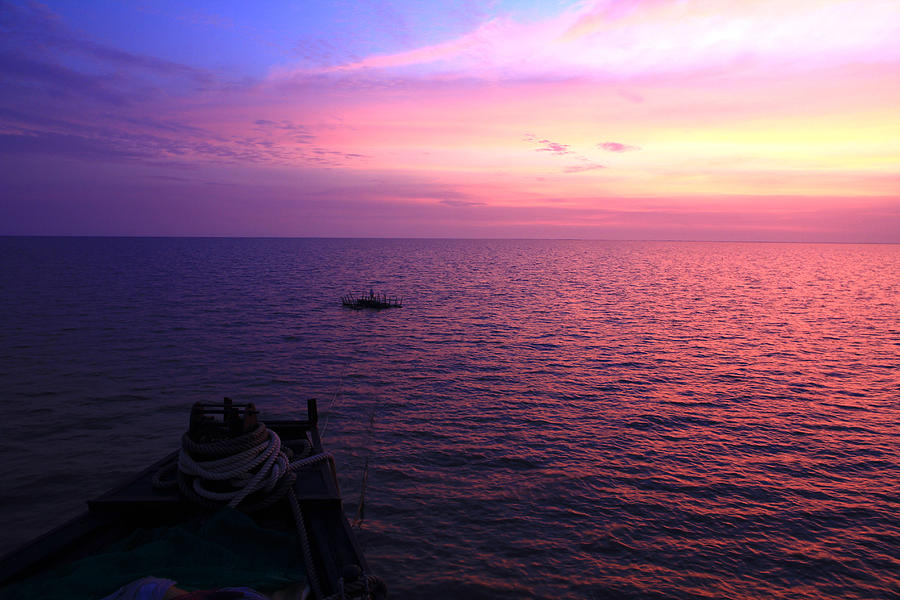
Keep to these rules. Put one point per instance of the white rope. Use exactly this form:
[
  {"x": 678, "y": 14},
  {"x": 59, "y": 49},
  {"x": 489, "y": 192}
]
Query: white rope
[{"x": 258, "y": 468}]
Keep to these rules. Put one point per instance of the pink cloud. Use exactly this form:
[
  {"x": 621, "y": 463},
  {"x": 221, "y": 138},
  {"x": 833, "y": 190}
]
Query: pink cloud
[
  {"x": 587, "y": 166},
  {"x": 617, "y": 147},
  {"x": 553, "y": 147}
]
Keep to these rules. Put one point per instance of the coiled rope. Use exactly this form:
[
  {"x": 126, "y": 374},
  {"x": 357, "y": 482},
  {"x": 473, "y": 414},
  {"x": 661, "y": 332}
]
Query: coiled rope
[{"x": 229, "y": 472}]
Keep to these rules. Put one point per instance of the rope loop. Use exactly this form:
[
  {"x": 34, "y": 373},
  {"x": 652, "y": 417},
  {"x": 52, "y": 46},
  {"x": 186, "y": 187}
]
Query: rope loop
[{"x": 227, "y": 472}]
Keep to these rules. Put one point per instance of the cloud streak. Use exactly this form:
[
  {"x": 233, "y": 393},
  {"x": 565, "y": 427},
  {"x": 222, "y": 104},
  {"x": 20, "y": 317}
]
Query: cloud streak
[
  {"x": 583, "y": 167},
  {"x": 641, "y": 37},
  {"x": 584, "y": 163},
  {"x": 553, "y": 147},
  {"x": 617, "y": 147},
  {"x": 100, "y": 99},
  {"x": 38, "y": 28}
]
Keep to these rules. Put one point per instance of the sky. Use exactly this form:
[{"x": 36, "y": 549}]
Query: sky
[{"x": 757, "y": 120}]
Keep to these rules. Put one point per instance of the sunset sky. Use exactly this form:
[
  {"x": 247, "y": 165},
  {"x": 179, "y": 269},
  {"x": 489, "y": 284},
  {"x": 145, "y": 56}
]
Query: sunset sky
[{"x": 616, "y": 119}]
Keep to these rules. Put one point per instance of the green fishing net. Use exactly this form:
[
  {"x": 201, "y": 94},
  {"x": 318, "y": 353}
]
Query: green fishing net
[{"x": 228, "y": 549}]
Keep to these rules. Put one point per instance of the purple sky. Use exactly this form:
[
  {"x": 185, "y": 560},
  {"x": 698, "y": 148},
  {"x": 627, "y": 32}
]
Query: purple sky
[{"x": 611, "y": 119}]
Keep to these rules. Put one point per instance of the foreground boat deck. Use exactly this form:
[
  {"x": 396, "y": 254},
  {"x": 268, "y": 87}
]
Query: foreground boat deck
[{"x": 138, "y": 504}]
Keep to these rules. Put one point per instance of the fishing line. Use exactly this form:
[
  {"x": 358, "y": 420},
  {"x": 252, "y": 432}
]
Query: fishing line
[
  {"x": 334, "y": 398},
  {"x": 361, "y": 507}
]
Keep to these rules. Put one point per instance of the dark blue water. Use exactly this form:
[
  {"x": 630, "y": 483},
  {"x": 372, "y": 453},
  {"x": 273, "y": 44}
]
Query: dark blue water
[{"x": 543, "y": 419}]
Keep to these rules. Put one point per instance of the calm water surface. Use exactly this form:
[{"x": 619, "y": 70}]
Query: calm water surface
[{"x": 543, "y": 419}]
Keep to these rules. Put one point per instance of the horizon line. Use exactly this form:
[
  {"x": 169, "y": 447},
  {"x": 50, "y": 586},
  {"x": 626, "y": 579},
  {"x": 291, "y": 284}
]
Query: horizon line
[{"x": 436, "y": 238}]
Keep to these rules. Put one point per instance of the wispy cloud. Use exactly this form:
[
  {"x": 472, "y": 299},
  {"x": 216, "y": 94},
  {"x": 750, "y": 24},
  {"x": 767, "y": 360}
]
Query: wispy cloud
[
  {"x": 584, "y": 163},
  {"x": 641, "y": 37},
  {"x": 65, "y": 95},
  {"x": 23, "y": 76},
  {"x": 584, "y": 166},
  {"x": 617, "y": 147},
  {"x": 547, "y": 145},
  {"x": 294, "y": 132},
  {"x": 40, "y": 30},
  {"x": 553, "y": 147},
  {"x": 206, "y": 19},
  {"x": 458, "y": 203}
]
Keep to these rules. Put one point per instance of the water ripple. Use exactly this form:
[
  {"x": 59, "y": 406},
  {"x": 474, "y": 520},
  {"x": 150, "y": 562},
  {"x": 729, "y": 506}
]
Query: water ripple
[{"x": 549, "y": 419}]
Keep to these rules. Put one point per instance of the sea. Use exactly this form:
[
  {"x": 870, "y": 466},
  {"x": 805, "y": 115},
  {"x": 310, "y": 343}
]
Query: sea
[{"x": 559, "y": 419}]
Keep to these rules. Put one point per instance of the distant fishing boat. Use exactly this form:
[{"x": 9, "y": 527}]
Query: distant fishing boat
[
  {"x": 372, "y": 300},
  {"x": 244, "y": 503}
]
